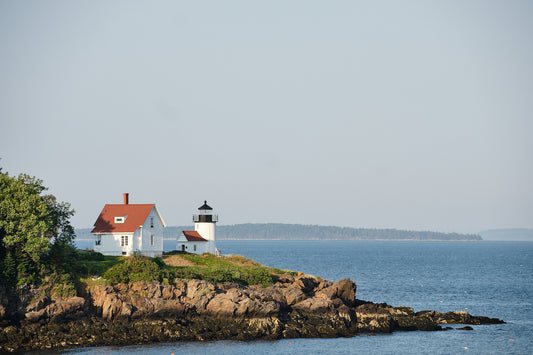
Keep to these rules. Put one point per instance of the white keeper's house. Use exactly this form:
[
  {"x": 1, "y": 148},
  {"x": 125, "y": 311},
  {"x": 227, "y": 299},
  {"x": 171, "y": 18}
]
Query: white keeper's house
[
  {"x": 125, "y": 229},
  {"x": 202, "y": 238}
]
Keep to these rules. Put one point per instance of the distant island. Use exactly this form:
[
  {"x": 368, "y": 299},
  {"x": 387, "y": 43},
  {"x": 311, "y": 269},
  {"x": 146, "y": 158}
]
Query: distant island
[{"x": 280, "y": 231}]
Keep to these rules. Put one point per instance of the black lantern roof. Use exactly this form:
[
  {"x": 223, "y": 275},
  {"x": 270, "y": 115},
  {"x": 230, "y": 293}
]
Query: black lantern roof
[{"x": 205, "y": 206}]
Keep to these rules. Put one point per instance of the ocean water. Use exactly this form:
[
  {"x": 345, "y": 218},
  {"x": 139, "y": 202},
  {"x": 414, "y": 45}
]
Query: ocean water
[{"x": 492, "y": 279}]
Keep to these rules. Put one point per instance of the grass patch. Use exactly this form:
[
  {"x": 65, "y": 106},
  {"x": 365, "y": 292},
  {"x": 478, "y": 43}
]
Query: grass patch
[
  {"x": 96, "y": 264},
  {"x": 219, "y": 269}
]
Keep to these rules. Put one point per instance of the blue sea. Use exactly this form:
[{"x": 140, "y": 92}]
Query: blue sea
[{"x": 492, "y": 279}]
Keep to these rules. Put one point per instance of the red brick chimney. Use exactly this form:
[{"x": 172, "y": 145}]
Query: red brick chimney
[{"x": 126, "y": 198}]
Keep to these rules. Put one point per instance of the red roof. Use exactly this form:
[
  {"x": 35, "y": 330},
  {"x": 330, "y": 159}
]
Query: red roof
[
  {"x": 193, "y": 236},
  {"x": 135, "y": 216}
]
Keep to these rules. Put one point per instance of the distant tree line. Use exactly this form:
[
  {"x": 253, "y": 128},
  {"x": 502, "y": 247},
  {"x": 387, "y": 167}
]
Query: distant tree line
[{"x": 256, "y": 231}]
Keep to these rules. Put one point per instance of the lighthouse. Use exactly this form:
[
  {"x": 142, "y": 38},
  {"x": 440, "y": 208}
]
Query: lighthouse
[{"x": 204, "y": 224}]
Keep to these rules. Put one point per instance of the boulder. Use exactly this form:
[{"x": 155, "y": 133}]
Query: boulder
[
  {"x": 462, "y": 317},
  {"x": 169, "y": 308},
  {"x": 58, "y": 310},
  {"x": 293, "y": 295},
  {"x": 180, "y": 288},
  {"x": 346, "y": 291},
  {"x": 34, "y": 316},
  {"x": 328, "y": 292},
  {"x": 315, "y": 304},
  {"x": 305, "y": 283},
  {"x": 111, "y": 306},
  {"x": 221, "y": 306},
  {"x": 38, "y": 303},
  {"x": 198, "y": 288}
]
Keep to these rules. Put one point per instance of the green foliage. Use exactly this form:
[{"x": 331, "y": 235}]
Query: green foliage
[
  {"x": 36, "y": 238},
  {"x": 159, "y": 262},
  {"x": 63, "y": 285},
  {"x": 86, "y": 255},
  {"x": 133, "y": 269},
  {"x": 187, "y": 272},
  {"x": 261, "y": 276},
  {"x": 9, "y": 267},
  {"x": 95, "y": 264},
  {"x": 208, "y": 267},
  {"x": 25, "y": 221}
]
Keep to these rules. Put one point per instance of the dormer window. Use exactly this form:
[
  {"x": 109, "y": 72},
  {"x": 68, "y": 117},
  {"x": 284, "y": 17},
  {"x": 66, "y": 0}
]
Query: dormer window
[{"x": 120, "y": 219}]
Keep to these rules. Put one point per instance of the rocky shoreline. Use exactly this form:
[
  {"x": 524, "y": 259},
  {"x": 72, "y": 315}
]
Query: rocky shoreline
[{"x": 300, "y": 306}]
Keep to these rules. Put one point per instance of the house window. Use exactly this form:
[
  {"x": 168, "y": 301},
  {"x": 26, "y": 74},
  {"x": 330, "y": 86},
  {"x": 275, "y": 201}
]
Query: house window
[
  {"x": 124, "y": 241},
  {"x": 119, "y": 219},
  {"x": 151, "y": 222},
  {"x": 98, "y": 240},
  {"x": 194, "y": 247},
  {"x": 151, "y": 239}
]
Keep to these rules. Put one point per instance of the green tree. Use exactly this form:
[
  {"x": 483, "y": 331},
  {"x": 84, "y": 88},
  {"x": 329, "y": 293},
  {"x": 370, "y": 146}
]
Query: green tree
[{"x": 35, "y": 232}]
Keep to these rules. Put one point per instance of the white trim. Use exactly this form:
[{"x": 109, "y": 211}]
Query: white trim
[{"x": 159, "y": 215}]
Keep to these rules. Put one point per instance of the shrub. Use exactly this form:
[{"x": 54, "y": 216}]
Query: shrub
[
  {"x": 260, "y": 275},
  {"x": 135, "y": 268},
  {"x": 90, "y": 255},
  {"x": 220, "y": 274},
  {"x": 63, "y": 285},
  {"x": 159, "y": 262},
  {"x": 188, "y": 273}
]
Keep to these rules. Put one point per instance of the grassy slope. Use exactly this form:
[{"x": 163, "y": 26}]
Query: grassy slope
[{"x": 178, "y": 265}]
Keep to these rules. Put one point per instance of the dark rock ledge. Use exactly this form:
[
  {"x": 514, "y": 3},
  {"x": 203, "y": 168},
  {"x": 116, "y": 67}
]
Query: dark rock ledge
[{"x": 147, "y": 312}]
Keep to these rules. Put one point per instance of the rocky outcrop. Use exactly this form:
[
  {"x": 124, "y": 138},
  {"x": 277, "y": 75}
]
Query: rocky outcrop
[{"x": 301, "y": 306}]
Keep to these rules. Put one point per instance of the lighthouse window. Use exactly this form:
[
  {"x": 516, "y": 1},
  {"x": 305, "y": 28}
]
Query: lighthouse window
[
  {"x": 151, "y": 239},
  {"x": 151, "y": 222}
]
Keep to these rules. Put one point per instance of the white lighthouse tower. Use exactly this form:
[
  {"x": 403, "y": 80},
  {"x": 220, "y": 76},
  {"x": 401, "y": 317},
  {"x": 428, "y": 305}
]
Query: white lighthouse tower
[{"x": 204, "y": 224}]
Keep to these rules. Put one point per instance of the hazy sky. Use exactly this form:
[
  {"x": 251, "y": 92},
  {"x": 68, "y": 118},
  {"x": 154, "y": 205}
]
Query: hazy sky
[{"x": 401, "y": 114}]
